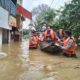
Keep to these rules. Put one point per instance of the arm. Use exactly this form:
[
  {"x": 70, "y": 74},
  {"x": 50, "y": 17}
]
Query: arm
[{"x": 69, "y": 45}]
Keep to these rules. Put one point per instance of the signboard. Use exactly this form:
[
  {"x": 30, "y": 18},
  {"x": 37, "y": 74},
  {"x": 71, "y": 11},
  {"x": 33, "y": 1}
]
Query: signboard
[
  {"x": 24, "y": 12},
  {"x": 12, "y": 21},
  {"x": 4, "y": 19}
]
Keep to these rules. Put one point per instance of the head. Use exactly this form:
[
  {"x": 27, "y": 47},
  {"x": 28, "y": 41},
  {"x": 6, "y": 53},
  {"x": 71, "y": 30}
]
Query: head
[
  {"x": 67, "y": 33},
  {"x": 49, "y": 27},
  {"x": 61, "y": 31},
  {"x": 34, "y": 33}
]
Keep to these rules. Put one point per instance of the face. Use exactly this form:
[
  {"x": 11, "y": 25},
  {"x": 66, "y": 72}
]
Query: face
[
  {"x": 48, "y": 28},
  {"x": 60, "y": 30},
  {"x": 65, "y": 34}
]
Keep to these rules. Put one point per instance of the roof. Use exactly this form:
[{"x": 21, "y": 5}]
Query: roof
[{"x": 24, "y": 12}]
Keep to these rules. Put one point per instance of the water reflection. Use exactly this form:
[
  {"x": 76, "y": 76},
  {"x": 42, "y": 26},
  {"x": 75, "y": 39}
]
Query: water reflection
[
  {"x": 24, "y": 56},
  {"x": 22, "y": 64}
]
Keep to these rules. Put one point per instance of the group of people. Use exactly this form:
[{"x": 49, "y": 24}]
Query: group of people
[{"x": 63, "y": 39}]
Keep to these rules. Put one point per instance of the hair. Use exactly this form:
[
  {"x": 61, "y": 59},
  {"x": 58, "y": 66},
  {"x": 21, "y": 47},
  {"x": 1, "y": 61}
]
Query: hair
[
  {"x": 34, "y": 31},
  {"x": 68, "y": 33},
  {"x": 49, "y": 25}
]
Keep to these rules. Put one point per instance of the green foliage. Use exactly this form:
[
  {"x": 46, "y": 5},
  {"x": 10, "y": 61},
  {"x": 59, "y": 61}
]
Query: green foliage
[
  {"x": 44, "y": 14},
  {"x": 38, "y": 10},
  {"x": 68, "y": 17},
  {"x": 25, "y": 34},
  {"x": 49, "y": 15},
  {"x": 46, "y": 17}
]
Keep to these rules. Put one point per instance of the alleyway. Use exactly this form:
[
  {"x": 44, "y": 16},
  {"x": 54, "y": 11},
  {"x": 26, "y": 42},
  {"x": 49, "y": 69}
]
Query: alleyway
[{"x": 22, "y": 64}]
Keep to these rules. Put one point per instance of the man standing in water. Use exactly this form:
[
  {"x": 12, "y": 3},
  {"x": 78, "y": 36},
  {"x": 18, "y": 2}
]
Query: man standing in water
[
  {"x": 49, "y": 34},
  {"x": 69, "y": 45}
]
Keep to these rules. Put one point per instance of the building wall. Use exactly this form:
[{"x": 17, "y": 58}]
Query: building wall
[
  {"x": 9, "y": 6},
  {"x": 5, "y": 36},
  {"x": 14, "y": 1},
  {"x": 0, "y": 36},
  {"x": 3, "y": 13},
  {"x": 4, "y": 26},
  {"x": 9, "y": 38},
  {"x": 19, "y": 21}
]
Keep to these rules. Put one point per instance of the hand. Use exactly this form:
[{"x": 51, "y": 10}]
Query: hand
[{"x": 57, "y": 44}]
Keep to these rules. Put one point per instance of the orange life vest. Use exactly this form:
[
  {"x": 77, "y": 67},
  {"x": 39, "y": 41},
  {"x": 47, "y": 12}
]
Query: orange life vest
[
  {"x": 33, "y": 42},
  {"x": 52, "y": 34},
  {"x": 72, "y": 49}
]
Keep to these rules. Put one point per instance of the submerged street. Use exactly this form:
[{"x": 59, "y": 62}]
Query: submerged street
[
  {"x": 22, "y": 64},
  {"x": 30, "y": 30}
]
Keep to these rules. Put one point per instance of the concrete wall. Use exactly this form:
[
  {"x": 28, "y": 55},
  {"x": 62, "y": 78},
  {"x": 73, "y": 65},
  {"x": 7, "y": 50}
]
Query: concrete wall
[
  {"x": 0, "y": 36},
  {"x": 9, "y": 40},
  {"x": 4, "y": 15},
  {"x": 5, "y": 36},
  {"x": 4, "y": 26}
]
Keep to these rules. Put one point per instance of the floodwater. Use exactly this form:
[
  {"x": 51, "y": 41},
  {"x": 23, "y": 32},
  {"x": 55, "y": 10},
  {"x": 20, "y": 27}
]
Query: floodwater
[{"x": 22, "y": 64}]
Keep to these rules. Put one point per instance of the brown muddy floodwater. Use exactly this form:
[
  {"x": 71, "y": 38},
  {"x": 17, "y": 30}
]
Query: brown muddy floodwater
[{"x": 22, "y": 64}]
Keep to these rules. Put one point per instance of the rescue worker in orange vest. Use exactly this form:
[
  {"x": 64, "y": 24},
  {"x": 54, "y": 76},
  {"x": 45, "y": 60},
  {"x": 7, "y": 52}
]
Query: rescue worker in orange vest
[
  {"x": 33, "y": 43},
  {"x": 49, "y": 35},
  {"x": 69, "y": 45}
]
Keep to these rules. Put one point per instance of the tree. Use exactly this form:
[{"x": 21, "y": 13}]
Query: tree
[
  {"x": 69, "y": 17},
  {"x": 38, "y": 10},
  {"x": 44, "y": 14}
]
